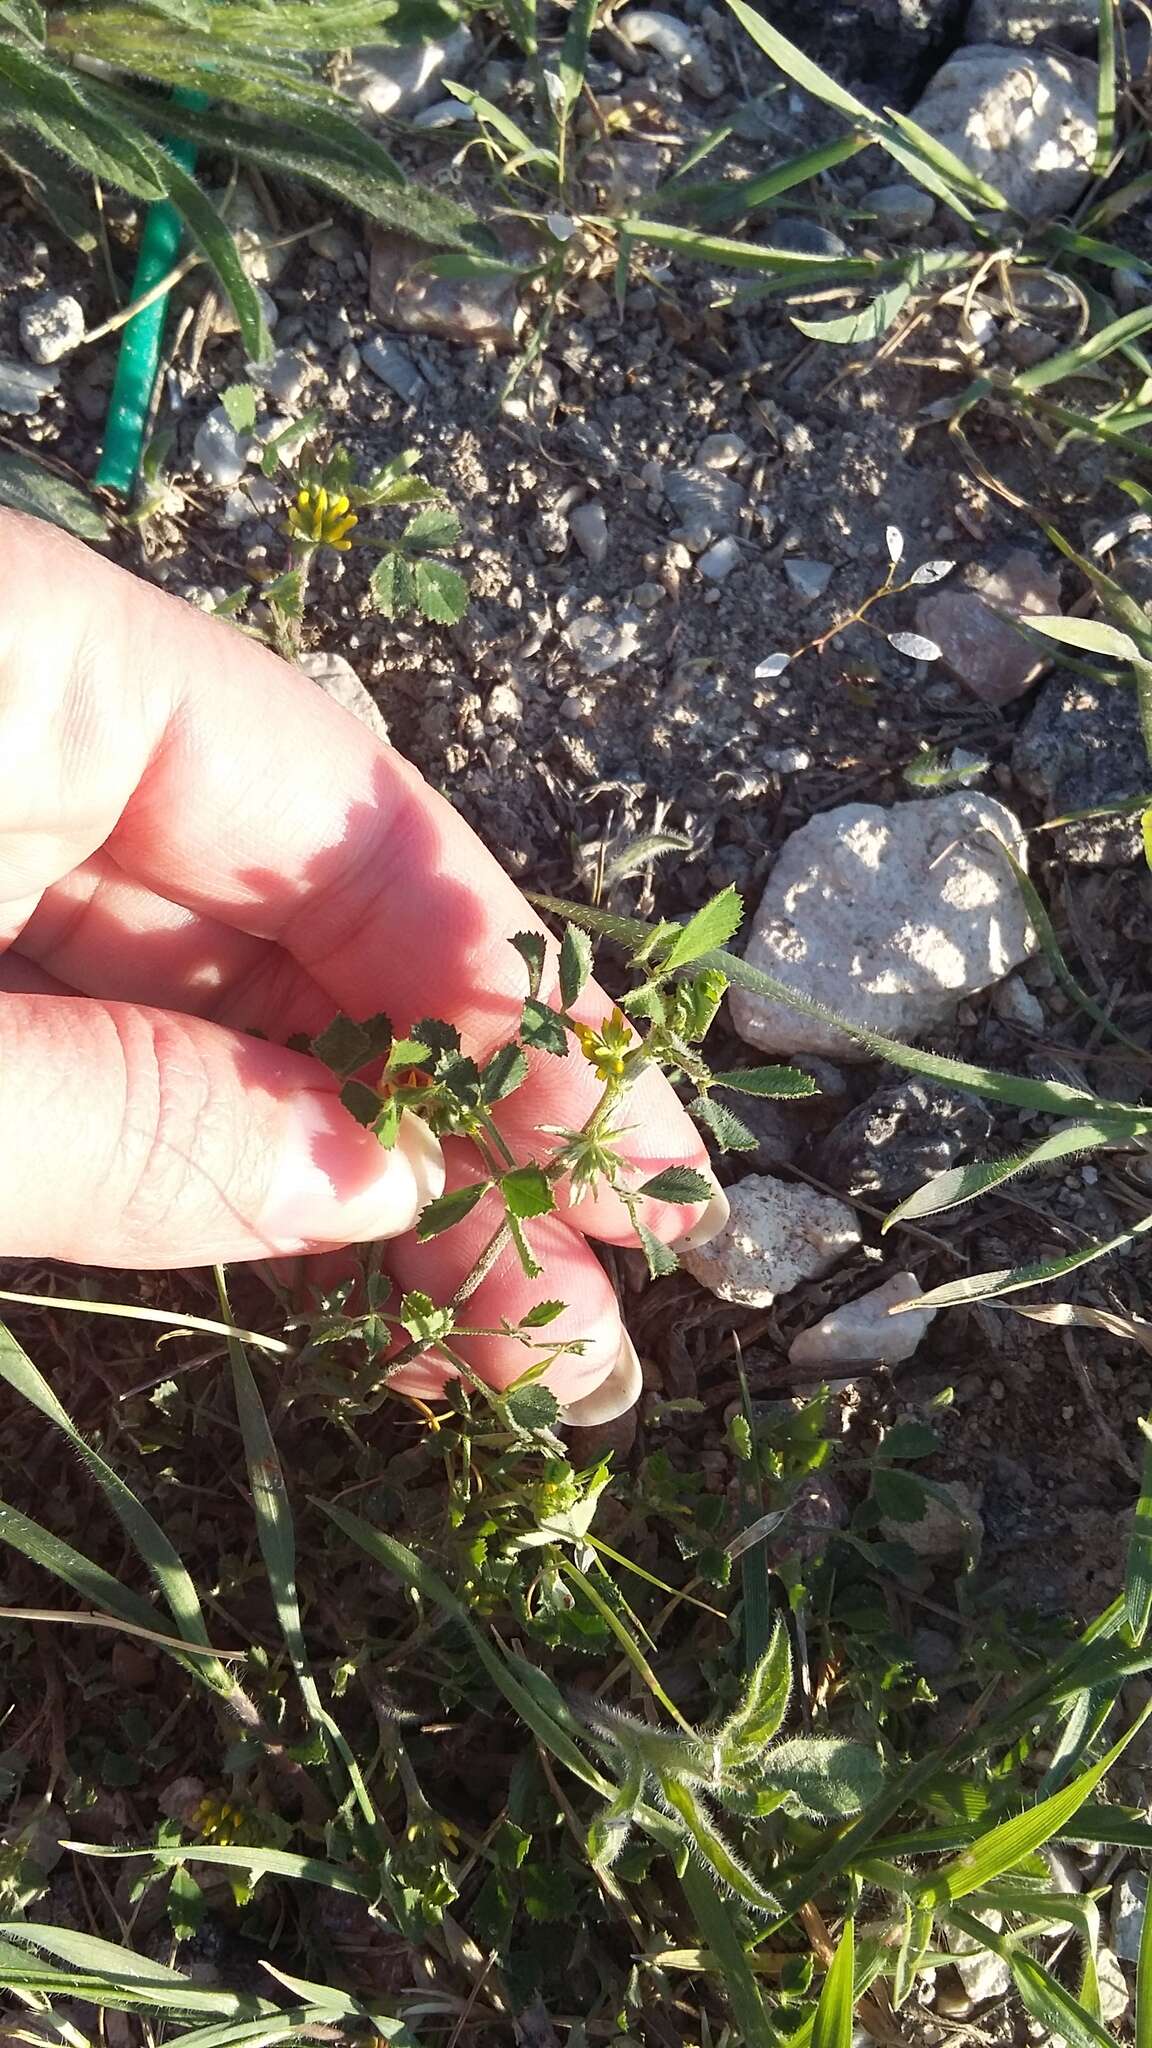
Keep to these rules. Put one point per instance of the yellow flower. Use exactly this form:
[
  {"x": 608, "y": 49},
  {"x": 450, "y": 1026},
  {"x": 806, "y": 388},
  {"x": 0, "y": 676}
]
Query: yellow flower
[
  {"x": 321, "y": 518},
  {"x": 220, "y": 1821},
  {"x": 605, "y": 1049}
]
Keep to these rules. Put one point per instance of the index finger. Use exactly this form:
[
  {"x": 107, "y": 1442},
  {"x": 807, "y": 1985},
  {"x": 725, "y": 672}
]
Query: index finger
[{"x": 219, "y": 777}]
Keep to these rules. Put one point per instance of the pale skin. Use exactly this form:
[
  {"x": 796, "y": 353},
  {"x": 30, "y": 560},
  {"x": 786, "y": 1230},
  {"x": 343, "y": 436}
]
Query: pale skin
[{"x": 196, "y": 843}]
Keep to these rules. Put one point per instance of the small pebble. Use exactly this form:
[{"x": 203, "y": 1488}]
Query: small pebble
[
  {"x": 802, "y": 237},
  {"x": 1014, "y": 1002},
  {"x": 51, "y": 325},
  {"x": 287, "y": 376},
  {"x": 720, "y": 451},
  {"x": 808, "y": 579},
  {"x": 588, "y": 525},
  {"x": 219, "y": 451},
  {"x": 902, "y": 209},
  {"x": 1129, "y": 1895},
  {"x": 392, "y": 364},
  {"x": 718, "y": 561}
]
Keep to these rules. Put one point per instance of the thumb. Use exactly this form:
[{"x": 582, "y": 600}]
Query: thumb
[{"x": 139, "y": 1137}]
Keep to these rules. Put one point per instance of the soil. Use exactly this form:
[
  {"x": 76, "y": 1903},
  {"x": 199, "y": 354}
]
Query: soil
[{"x": 552, "y": 765}]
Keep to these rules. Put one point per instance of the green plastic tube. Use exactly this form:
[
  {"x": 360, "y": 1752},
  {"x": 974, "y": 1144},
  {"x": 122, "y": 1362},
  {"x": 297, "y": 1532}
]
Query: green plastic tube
[{"x": 139, "y": 358}]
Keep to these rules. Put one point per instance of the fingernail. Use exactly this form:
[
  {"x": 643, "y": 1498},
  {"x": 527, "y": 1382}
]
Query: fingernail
[
  {"x": 618, "y": 1391},
  {"x": 707, "y": 1225},
  {"x": 333, "y": 1183}
]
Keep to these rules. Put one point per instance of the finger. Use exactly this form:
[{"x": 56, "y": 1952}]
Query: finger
[
  {"x": 225, "y": 781},
  {"x": 103, "y": 934},
  {"x": 571, "y": 1274},
  {"x": 138, "y": 1137}
]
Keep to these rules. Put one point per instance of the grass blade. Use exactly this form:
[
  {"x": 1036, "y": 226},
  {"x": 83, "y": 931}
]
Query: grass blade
[
  {"x": 1138, "y": 1565},
  {"x": 718, "y": 1932},
  {"x": 1072, "y": 361},
  {"x": 799, "y": 68},
  {"x": 833, "y": 2024},
  {"x": 1006, "y": 1845},
  {"x": 165, "y": 1567},
  {"x": 1050, "y": 1096},
  {"x": 1009, "y": 1280},
  {"x": 261, "y": 1862},
  {"x": 1142, "y": 2025},
  {"x": 1105, "y": 90},
  {"x": 963, "y": 1183}
]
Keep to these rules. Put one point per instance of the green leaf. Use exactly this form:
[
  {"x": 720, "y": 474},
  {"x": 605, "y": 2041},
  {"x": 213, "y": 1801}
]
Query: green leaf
[
  {"x": 776, "y": 1081},
  {"x": 545, "y": 1312},
  {"x": 709, "y": 1843},
  {"x": 914, "y": 1944},
  {"x": 56, "y": 106},
  {"x": 1071, "y": 362},
  {"x": 800, "y": 69},
  {"x": 533, "y": 950},
  {"x": 527, "y": 1192},
  {"x": 449, "y": 1209},
  {"x": 910, "y": 1440},
  {"x": 711, "y": 927},
  {"x": 660, "y": 1257},
  {"x": 541, "y": 1027},
  {"x": 964, "y": 1183},
  {"x": 575, "y": 963},
  {"x": 392, "y": 584},
  {"x": 362, "y": 1102},
  {"x": 1013, "y": 1840},
  {"x": 214, "y": 237},
  {"x": 866, "y": 324},
  {"x": 1138, "y": 1565},
  {"x": 441, "y": 593},
  {"x": 897, "y": 1495},
  {"x": 344, "y": 1046},
  {"x": 1094, "y": 635},
  {"x": 760, "y": 1714},
  {"x": 1010, "y": 1279},
  {"x": 832, "y": 2027},
  {"x": 506, "y": 1071},
  {"x": 1047, "y": 2001},
  {"x": 423, "y": 1320},
  {"x": 827, "y": 1775},
  {"x": 27, "y": 485},
  {"x": 438, "y": 526},
  {"x": 713, "y": 1916},
  {"x": 26, "y": 16},
  {"x": 1105, "y": 89},
  {"x": 730, "y": 1134},
  {"x": 678, "y": 1184},
  {"x": 239, "y": 402},
  {"x": 532, "y": 1407}
]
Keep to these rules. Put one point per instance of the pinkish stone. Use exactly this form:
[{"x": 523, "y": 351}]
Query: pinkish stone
[{"x": 980, "y": 648}]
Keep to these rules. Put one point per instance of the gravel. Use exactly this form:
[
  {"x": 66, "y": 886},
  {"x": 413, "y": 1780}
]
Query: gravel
[
  {"x": 588, "y": 525},
  {"x": 220, "y": 452},
  {"x": 808, "y": 579},
  {"x": 392, "y": 363},
  {"x": 981, "y": 648},
  {"x": 1129, "y": 1897},
  {"x": 51, "y": 325},
  {"x": 902, "y": 209},
  {"x": 899, "y": 1137},
  {"x": 863, "y": 1332}
]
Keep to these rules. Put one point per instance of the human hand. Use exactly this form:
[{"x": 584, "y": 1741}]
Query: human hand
[{"x": 197, "y": 844}]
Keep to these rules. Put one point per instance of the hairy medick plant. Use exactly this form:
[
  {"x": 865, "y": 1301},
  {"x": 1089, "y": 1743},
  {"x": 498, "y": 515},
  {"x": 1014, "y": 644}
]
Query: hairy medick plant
[
  {"x": 662, "y": 1022},
  {"x": 326, "y": 516},
  {"x": 915, "y": 645}
]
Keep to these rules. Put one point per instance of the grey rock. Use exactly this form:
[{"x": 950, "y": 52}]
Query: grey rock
[
  {"x": 909, "y": 17},
  {"x": 808, "y": 579},
  {"x": 899, "y": 1137},
  {"x": 1024, "y": 21},
  {"x": 1023, "y": 120},
  {"x": 981, "y": 649},
  {"x": 1129, "y": 1897},
  {"x": 718, "y": 561},
  {"x": 404, "y": 295},
  {"x": 864, "y": 1332},
  {"x": 1112, "y": 1985},
  {"x": 393, "y": 78},
  {"x": 933, "y": 1652},
  {"x": 588, "y": 525},
  {"x": 392, "y": 364},
  {"x": 287, "y": 377},
  {"x": 51, "y": 325},
  {"x": 1082, "y": 748},
  {"x": 800, "y": 236},
  {"x": 983, "y": 1974},
  {"x": 445, "y": 114},
  {"x": 600, "y": 644},
  {"x": 948, "y": 1528},
  {"x": 1014, "y": 1003},
  {"x": 706, "y": 503},
  {"x": 720, "y": 451},
  {"x": 1066, "y": 1876},
  {"x": 682, "y": 47},
  {"x": 22, "y": 389},
  {"x": 777, "y": 1235},
  {"x": 902, "y": 209},
  {"x": 219, "y": 451},
  {"x": 339, "y": 680},
  {"x": 888, "y": 916}
]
